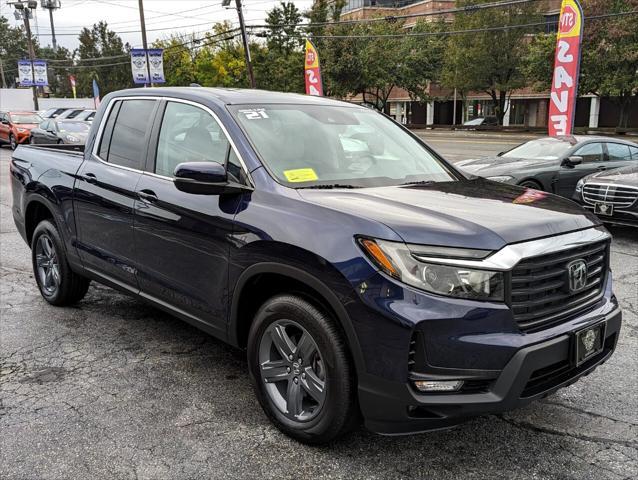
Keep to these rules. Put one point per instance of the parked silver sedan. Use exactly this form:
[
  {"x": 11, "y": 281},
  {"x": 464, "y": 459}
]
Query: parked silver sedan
[{"x": 60, "y": 131}]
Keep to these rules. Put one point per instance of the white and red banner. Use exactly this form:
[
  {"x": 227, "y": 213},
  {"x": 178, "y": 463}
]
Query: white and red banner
[
  {"x": 312, "y": 71},
  {"x": 562, "y": 101}
]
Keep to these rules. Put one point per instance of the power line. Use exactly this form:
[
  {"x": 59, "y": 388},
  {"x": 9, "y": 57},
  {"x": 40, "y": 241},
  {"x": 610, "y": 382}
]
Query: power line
[{"x": 458, "y": 32}]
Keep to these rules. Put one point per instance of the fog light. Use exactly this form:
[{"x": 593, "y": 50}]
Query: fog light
[{"x": 438, "y": 385}]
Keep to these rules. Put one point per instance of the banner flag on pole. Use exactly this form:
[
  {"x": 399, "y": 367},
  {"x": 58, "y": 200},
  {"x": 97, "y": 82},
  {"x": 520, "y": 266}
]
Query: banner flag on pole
[
  {"x": 96, "y": 94},
  {"x": 73, "y": 89},
  {"x": 562, "y": 101},
  {"x": 26, "y": 73},
  {"x": 156, "y": 63},
  {"x": 138, "y": 65},
  {"x": 312, "y": 71}
]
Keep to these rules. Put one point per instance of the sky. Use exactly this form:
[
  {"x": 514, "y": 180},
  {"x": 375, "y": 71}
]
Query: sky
[{"x": 163, "y": 17}]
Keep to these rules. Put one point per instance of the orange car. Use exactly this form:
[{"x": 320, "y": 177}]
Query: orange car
[{"x": 15, "y": 127}]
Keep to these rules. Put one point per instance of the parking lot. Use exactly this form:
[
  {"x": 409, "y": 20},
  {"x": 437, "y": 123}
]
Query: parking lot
[{"x": 113, "y": 388}]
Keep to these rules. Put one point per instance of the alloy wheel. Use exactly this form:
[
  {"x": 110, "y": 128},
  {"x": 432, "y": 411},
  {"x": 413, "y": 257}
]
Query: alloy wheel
[
  {"x": 292, "y": 370},
  {"x": 47, "y": 264}
]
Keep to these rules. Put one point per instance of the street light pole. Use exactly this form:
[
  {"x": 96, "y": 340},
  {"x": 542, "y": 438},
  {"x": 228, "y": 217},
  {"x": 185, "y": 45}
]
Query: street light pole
[
  {"x": 244, "y": 38},
  {"x": 144, "y": 43}
]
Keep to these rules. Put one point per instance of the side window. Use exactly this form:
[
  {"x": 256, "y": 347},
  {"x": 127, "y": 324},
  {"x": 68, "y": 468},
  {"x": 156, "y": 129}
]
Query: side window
[
  {"x": 618, "y": 152},
  {"x": 127, "y": 140},
  {"x": 592, "y": 152},
  {"x": 107, "y": 132},
  {"x": 634, "y": 153},
  {"x": 188, "y": 134}
]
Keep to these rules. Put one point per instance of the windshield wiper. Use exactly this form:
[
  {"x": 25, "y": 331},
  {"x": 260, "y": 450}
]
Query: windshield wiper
[
  {"x": 332, "y": 185},
  {"x": 419, "y": 182}
]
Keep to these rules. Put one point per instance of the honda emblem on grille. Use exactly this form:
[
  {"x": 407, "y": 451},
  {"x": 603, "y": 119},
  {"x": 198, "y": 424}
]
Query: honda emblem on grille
[{"x": 577, "y": 272}]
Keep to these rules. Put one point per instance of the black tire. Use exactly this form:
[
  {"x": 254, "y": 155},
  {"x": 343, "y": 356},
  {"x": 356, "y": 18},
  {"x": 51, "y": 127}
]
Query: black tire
[
  {"x": 64, "y": 287},
  {"x": 338, "y": 412},
  {"x": 531, "y": 184},
  {"x": 31, "y": 140},
  {"x": 12, "y": 142}
]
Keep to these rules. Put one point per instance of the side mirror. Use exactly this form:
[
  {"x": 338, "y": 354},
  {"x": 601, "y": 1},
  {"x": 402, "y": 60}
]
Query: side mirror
[
  {"x": 205, "y": 178},
  {"x": 5, "y": 122},
  {"x": 572, "y": 161}
]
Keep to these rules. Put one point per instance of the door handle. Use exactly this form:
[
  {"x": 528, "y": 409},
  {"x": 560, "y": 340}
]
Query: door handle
[
  {"x": 89, "y": 177},
  {"x": 147, "y": 196}
]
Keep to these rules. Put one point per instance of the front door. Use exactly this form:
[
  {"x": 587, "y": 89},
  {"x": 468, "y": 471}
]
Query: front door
[
  {"x": 104, "y": 195},
  {"x": 183, "y": 239},
  {"x": 593, "y": 161}
]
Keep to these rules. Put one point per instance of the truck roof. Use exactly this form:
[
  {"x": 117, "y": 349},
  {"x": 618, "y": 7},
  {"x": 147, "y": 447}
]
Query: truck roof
[{"x": 232, "y": 96}]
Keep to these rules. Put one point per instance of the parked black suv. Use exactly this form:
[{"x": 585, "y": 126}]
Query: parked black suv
[{"x": 362, "y": 272}]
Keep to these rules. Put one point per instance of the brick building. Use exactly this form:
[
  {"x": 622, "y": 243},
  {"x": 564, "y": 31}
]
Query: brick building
[{"x": 527, "y": 107}]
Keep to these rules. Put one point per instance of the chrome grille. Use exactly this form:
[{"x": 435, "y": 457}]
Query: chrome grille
[
  {"x": 617, "y": 195},
  {"x": 539, "y": 295}
]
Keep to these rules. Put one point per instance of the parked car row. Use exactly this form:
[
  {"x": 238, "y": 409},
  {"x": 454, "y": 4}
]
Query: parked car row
[
  {"x": 56, "y": 125},
  {"x": 600, "y": 173}
]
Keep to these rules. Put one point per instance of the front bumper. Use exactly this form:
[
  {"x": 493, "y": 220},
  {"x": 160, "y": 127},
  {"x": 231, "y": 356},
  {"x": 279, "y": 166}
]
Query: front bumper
[
  {"x": 622, "y": 216},
  {"x": 533, "y": 372}
]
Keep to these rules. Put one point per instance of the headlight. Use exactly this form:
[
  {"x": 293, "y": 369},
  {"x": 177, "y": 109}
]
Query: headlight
[
  {"x": 71, "y": 138},
  {"x": 579, "y": 185},
  {"x": 401, "y": 262},
  {"x": 501, "y": 178}
]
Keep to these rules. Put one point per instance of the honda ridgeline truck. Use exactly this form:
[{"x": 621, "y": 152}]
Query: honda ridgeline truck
[{"x": 366, "y": 277}]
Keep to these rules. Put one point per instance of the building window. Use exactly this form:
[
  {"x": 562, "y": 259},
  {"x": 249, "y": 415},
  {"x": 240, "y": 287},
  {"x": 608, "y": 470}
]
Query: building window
[{"x": 551, "y": 23}]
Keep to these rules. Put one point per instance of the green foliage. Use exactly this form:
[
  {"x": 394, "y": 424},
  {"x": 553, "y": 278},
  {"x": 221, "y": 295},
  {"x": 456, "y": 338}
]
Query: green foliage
[
  {"x": 538, "y": 66},
  {"x": 57, "y": 70},
  {"x": 489, "y": 61},
  {"x": 99, "y": 42},
  {"x": 609, "y": 65},
  {"x": 178, "y": 60},
  {"x": 13, "y": 47}
]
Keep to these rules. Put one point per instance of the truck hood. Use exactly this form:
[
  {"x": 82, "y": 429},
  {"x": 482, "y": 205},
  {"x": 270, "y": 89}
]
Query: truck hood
[
  {"x": 473, "y": 213},
  {"x": 488, "y": 166}
]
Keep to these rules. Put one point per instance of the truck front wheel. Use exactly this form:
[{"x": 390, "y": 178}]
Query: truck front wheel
[
  {"x": 303, "y": 377},
  {"x": 58, "y": 284}
]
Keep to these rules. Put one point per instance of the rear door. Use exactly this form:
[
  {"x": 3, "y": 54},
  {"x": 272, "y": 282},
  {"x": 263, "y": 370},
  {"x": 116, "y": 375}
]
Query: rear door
[
  {"x": 183, "y": 239},
  {"x": 104, "y": 196},
  {"x": 593, "y": 161},
  {"x": 618, "y": 155}
]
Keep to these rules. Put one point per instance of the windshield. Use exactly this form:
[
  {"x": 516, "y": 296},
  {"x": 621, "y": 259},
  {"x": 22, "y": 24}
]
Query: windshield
[
  {"x": 545, "y": 149},
  {"x": 73, "y": 127},
  {"x": 313, "y": 145},
  {"x": 25, "y": 118}
]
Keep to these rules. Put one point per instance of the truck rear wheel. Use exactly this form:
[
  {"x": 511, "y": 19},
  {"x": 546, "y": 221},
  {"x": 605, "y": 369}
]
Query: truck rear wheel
[
  {"x": 58, "y": 284},
  {"x": 300, "y": 367}
]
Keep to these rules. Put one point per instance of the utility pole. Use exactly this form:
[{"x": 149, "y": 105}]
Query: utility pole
[
  {"x": 25, "y": 10},
  {"x": 144, "y": 43},
  {"x": 51, "y": 5},
  {"x": 244, "y": 38},
  {"x": 4, "y": 82}
]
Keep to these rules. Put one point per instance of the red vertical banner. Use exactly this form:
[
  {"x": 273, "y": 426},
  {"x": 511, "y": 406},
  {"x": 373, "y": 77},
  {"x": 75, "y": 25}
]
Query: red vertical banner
[
  {"x": 562, "y": 101},
  {"x": 312, "y": 71}
]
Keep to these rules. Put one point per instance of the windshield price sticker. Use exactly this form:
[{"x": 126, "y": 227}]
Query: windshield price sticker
[
  {"x": 254, "y": 113},
  {"x": 301, "y": 175}
]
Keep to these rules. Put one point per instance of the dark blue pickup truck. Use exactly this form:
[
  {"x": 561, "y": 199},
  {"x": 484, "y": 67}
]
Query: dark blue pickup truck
[{"x": 365, "y": 276}]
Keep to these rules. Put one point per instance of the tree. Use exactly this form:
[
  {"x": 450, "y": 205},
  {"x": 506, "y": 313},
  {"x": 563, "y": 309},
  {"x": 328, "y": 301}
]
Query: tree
[
  {"x": 58, "y": 72},
  {"x": 489, "y": 61},
  {"x": 179, "y": 60},
  {"x": 105, "y": 45},
  {"x": 422, "y": 59},
  {"x": 13, "y": 47},
  {"x": 280, "y": 66},
  {"x": 609, "y": 65}
]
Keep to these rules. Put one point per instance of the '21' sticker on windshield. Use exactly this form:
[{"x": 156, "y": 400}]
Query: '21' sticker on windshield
[{"x": 254, "y": 113}]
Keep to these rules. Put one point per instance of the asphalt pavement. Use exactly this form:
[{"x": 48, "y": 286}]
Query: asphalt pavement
[{"x": 112, "y": 388}]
